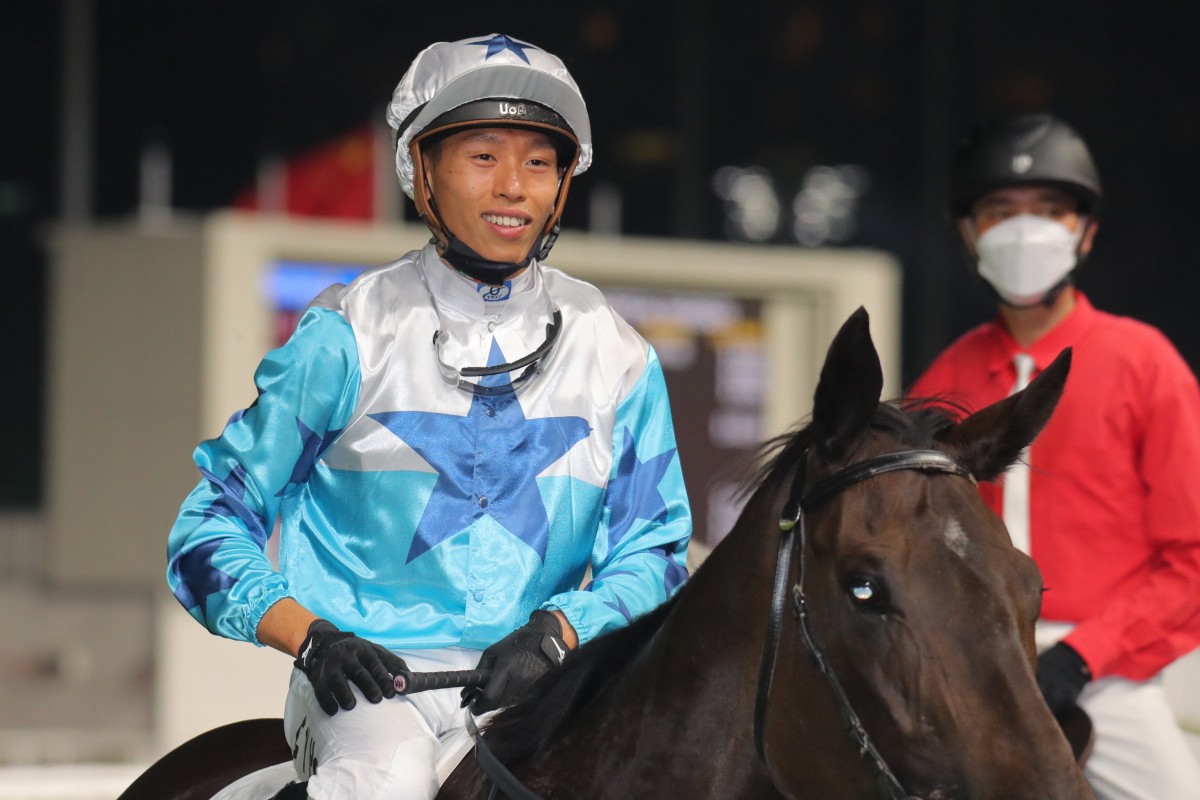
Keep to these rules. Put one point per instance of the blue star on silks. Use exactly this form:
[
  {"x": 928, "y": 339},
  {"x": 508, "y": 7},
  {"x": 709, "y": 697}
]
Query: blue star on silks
[
  {"x": 312, "y": 445},
  {"x": 673, "y": 576},
  {"x": 634, "y": 491},
  {"x": 198, "y": 578},
  {"x": 487, "y": 464},
  {"x": 673, "y": 573},
  {"x": 621, "y": 609},
  {"x": 499, "y": 43},
  {"x": 619, "y": 605},
  {"x": 231, "y": 503}
]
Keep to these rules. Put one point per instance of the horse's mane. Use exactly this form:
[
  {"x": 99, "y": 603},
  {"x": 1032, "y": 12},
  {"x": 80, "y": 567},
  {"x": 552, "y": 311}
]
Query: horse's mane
[{"x": 533, "y": 723}]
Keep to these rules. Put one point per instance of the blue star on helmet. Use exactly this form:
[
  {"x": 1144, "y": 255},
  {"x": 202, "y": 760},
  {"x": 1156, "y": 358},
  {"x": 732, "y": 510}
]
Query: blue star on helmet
[
  {"x": 502, "y": 485},
  {"x": 499, "y": 43},
  {"x": 312, "y": 445},
  {"x": 198, "y": 578},
  {"x": 231, "y": 503},
  {"x": 634, "y": 491}
]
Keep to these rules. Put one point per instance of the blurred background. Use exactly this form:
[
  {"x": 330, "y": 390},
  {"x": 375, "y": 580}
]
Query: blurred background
[{"x": 800, "y": 130}]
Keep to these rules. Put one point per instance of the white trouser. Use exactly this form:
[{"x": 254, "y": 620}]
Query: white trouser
[
  {"x": 1140, "y": 753},
  {"x": 377, "y": 751}
]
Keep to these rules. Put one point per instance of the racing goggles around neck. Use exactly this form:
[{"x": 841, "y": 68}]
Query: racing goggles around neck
[{"x": 532, "y": 363}]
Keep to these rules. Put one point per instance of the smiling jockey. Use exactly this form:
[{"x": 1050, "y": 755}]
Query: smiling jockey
[{"x": 450, "y": 442}]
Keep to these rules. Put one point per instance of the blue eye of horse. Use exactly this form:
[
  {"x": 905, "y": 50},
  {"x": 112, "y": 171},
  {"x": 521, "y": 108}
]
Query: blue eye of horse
[{"x": 863, "y": 592}]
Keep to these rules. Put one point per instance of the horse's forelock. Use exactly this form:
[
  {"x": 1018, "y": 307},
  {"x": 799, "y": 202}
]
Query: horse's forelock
[{"x": 916, "y": 424}]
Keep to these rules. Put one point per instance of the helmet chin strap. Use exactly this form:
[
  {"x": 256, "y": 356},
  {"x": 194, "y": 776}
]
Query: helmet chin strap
[
  {"x": 475, "y": 266},
  {"x": 470, "y": 263},
  {"x": 460, "y": 256}
]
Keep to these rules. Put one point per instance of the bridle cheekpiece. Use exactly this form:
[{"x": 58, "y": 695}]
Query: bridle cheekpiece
[{"x": 792, "y": 519}]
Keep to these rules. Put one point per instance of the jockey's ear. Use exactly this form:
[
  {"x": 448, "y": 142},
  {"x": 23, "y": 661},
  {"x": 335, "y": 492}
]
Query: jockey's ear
[
  {"x": 990, "y": 440},
  {"x": 849, "y": 389}
]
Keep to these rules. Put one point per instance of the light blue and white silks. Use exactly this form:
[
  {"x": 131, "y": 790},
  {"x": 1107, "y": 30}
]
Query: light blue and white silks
[{"x": 421, "y": 515}]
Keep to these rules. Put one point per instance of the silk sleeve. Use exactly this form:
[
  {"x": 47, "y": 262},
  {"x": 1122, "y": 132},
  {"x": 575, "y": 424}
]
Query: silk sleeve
[
  {"x": 640, "y": 550},
  {"x": 1143, "y": 629},
  {"x": 217, "y": 565}
]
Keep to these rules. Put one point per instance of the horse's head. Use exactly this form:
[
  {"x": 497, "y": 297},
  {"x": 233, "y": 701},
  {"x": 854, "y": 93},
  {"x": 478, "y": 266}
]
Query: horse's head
[{"x": 921, "y": 605}]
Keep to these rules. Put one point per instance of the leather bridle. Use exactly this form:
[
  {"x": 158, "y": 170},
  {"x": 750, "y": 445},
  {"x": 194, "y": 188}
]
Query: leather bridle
[
  {"x": 505, "y": 784},
  {"x": 791, "y": 520}
]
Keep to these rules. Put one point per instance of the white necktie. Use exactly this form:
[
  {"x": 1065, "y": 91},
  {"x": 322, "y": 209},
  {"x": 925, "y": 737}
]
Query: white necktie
[{"x": 1016, "y": 479}]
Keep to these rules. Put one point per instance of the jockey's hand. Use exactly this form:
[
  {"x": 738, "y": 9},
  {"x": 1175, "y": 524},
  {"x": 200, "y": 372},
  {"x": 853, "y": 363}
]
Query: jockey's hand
[
  {"x": 516, "y": 661},
  {"x": 333, "y": 659},
  {"x": 1061, "y": 675}
]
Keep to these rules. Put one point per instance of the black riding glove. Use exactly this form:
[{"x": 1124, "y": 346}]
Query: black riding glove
[
  {"x": 332, "y": 659},
  {"x": 1061, "y": 675},
  {"x": 516, "y": 661}
]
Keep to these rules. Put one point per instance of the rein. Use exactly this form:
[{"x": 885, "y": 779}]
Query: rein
[
  {"x": 504, "y": 783},
  {"x": 791, "y": 519}
]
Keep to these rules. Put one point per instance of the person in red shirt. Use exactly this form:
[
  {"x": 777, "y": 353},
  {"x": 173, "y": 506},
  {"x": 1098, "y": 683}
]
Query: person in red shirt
[{"x": 1109, "y": 503}]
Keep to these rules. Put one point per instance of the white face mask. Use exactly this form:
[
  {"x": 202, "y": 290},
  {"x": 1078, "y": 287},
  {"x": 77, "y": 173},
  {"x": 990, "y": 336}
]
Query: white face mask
[{"x": 1026, "y": 256}]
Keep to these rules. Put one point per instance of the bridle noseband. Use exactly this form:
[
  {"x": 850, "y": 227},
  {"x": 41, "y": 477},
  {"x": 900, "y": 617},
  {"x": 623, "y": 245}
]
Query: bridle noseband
[{"x": 791, "y": 519}]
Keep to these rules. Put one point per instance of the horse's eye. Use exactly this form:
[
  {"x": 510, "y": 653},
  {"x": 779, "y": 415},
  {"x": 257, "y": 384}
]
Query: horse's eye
[
  {"x": 863, "y": 592},
  {"x": 866, "y": 591}
]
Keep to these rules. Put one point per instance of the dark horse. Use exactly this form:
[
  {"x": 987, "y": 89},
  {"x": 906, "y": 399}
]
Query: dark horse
[{"x": 896, "y": 608}]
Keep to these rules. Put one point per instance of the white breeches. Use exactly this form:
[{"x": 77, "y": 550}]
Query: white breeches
[
  {"x": 385, "y": 751},
  {"x": 1140, "y": 753}
]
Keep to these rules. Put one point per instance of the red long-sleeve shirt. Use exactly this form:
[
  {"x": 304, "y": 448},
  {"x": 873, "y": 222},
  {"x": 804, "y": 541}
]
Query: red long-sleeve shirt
[{"x": 1114, "y": 482}]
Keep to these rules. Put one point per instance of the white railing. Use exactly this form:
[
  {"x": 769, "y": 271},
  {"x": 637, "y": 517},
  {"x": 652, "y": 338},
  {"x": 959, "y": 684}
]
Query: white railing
[{"x": 74, "y": 782}]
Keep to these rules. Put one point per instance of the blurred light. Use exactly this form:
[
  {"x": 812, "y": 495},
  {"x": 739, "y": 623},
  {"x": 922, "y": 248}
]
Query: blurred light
[
  {"x": 271, "y": 184},
  {"x": 154, "y": 185},
  {"x": 291, "y": 285},
  {"x": 735, "y": 428},
  {"x": 751, "y": 204},
  {"x": 826, "y": 205},
  {"x": 648, "y": 147},
  {"x": 704, "y": 313}
]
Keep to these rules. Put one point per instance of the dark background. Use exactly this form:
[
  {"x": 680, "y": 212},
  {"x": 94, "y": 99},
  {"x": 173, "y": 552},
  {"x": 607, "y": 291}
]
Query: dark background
[{"x": 676, "y": 90}]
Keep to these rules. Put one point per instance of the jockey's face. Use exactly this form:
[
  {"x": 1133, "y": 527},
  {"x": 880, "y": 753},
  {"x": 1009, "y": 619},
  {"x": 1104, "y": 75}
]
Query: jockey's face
[{"x": 495, "y": 188}]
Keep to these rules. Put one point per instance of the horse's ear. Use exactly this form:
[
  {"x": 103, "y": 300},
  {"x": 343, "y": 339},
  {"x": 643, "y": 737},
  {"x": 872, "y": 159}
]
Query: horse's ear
[
  {"x": 848, "y": 390},
  {"x": 989, "y": 441}
]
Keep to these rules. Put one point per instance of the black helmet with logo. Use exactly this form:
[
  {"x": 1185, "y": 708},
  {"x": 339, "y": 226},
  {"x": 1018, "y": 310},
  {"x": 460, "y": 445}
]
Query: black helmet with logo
[{"x": 1033, "y": 148}]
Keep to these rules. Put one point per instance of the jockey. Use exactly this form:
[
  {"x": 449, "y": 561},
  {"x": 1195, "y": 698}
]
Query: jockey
[
  {"x": 449, "y": 442},
  {"x": 1105, "y": 502}
]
